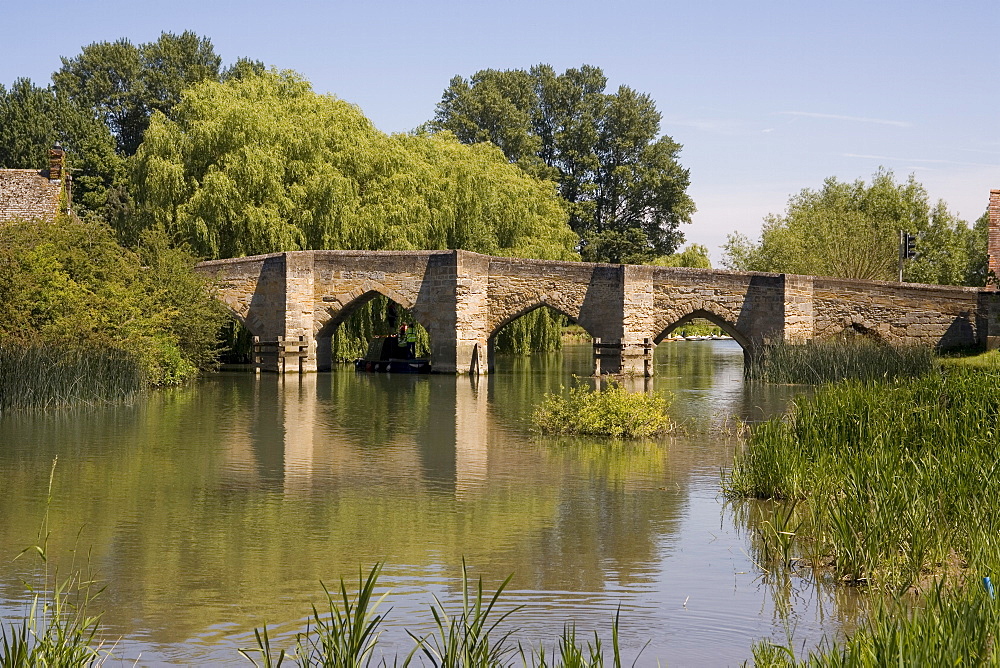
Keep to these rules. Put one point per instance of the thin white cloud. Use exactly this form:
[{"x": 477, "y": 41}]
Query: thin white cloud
[
  {"x": 711, "y": 125},
  {"x": 979, "y": 150},
  {"x": 928, "y": 161},
  {"x": 854, "y": 119}
]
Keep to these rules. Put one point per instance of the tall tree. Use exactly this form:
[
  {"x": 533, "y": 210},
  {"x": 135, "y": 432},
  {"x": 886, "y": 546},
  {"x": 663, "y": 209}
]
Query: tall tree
[
  {"x": 33, "y": 119},
  {"x": 123, "y": 84},
  {"x": 625, "y": 188},
  {"x": 851, "y": 230}
]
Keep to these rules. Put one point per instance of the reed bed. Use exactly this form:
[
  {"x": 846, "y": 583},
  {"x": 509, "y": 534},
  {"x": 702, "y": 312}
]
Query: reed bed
[
  {"x": 46, "y": 377},
  {"x": 944, "y": 629},
  {"x": 893, "y": 484},
  {"x": 855, "y": 358}
]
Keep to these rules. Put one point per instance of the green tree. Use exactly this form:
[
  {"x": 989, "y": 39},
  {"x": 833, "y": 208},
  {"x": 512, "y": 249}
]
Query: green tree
[
  {"x": 33, "y": 119},
  {"x": 851, "y": 230},
  {"x": 69, "y": 284},
  {"x": 262, "y": 163},
  {"x": 624, "y": 187},
  {"x": 693, "y": 255},
  {"x": 124, "y": 84}
]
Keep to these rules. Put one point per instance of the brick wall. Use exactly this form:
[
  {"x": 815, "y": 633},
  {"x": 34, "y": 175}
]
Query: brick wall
[{"x": 994, "y": 237}]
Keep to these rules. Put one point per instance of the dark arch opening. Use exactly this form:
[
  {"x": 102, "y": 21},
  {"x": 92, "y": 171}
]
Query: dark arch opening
[
  {"x": 346, "y": 336},
  {"x": 235, "y": 342}
]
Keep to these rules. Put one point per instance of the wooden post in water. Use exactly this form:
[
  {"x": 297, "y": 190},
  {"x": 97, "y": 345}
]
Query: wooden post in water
[
  {"x": 597, "y": 356},
  {"x": 647, "y": 358}
]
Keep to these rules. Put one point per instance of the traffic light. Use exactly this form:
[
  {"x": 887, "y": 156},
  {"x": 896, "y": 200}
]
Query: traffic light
[{"x": 910, "y": 246}]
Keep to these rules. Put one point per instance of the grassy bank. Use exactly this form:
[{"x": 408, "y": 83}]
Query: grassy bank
[{"x": 894, "y": 483}]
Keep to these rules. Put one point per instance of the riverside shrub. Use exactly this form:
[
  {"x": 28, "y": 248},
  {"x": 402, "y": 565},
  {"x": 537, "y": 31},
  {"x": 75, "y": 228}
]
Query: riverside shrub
[
  {"x": 613, "y": 411},
  {"x": 69, "y": 285}
]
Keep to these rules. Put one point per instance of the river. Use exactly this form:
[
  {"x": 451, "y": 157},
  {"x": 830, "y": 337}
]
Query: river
[{"x": 211, "y": 509}]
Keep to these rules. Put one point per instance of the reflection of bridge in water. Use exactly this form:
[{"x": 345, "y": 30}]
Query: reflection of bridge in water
[{"x": 463, "y": 299}]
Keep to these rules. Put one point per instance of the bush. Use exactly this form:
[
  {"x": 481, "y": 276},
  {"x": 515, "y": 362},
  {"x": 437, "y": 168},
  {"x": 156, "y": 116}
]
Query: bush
[
  {"x": 613, "y": 411},
  {"x": 69, "y": 285}
]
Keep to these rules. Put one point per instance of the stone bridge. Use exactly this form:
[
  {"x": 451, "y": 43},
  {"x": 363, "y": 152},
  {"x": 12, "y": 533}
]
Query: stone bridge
[{"x": 463, "y": 299}]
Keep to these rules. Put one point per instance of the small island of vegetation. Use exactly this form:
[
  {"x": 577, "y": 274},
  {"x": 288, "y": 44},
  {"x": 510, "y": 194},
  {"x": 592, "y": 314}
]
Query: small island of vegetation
[{"x": 611, "y": 411}]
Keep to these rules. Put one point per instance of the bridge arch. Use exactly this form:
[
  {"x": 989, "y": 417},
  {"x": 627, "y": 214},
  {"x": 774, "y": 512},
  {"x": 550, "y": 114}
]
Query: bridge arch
[
  {"x": 329, "y": 319},
  {"x": 672, "y": 320},
  {"x": 525, "y": 310}
]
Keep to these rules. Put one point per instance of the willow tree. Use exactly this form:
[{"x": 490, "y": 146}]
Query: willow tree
[{"x": 262, "y": 163}]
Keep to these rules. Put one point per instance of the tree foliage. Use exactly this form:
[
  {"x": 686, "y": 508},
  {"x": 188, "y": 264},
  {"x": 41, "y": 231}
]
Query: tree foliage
[
  {"x": 124, "y": 84},
  {"x": 33, "y": 119},
  {"x": 69, "y": 284},
  {"x": 625, "y": 189},
  {"x": 693, "y": 255},
  {"x": 261, "y": 163},
  {"x": 851, "y": 230}
]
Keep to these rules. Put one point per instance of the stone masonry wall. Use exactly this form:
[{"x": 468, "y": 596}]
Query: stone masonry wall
[
  {"x": 908, "y": 313},
  {"x": 747, "y": 306},
  {"x": 464, "y": 298}
]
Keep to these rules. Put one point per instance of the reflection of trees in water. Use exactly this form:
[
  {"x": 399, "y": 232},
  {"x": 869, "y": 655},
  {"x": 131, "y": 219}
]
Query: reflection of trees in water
[
  {"x": 371, "y": 409},
  {"x": 679, "y": 363},
  {"x": 610, "y": 517},
  {"x": 188, "y": 504}
]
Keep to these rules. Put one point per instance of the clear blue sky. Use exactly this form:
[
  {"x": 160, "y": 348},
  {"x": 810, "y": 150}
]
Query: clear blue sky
[{"x": 767, "y": 97}]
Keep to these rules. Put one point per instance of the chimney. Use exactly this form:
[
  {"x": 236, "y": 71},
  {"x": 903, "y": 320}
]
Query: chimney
[
  {"x": 993, "y": 243},
  {"x": 57, "y": 163}
]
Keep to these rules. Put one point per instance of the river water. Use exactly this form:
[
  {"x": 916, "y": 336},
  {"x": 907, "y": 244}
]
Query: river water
[{"x": 212, "y": 509}]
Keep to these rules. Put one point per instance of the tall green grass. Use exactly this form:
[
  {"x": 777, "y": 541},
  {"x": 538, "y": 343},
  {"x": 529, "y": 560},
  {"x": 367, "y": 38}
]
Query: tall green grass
[
  {"x": 942, "y": 629},
  {"x": 46, "y": 377},
  {"x": 855, "y": 358},
  {"x": 474, "y": 636},
  {"x": 894, "y": 484}
]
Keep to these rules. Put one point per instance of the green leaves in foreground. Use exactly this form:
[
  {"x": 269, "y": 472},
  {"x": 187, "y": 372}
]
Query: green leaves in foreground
[
  {"x": 57, "y": 629},
  {"x": 345, "y": 636},
  {"x": 613, "y": 411}
]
